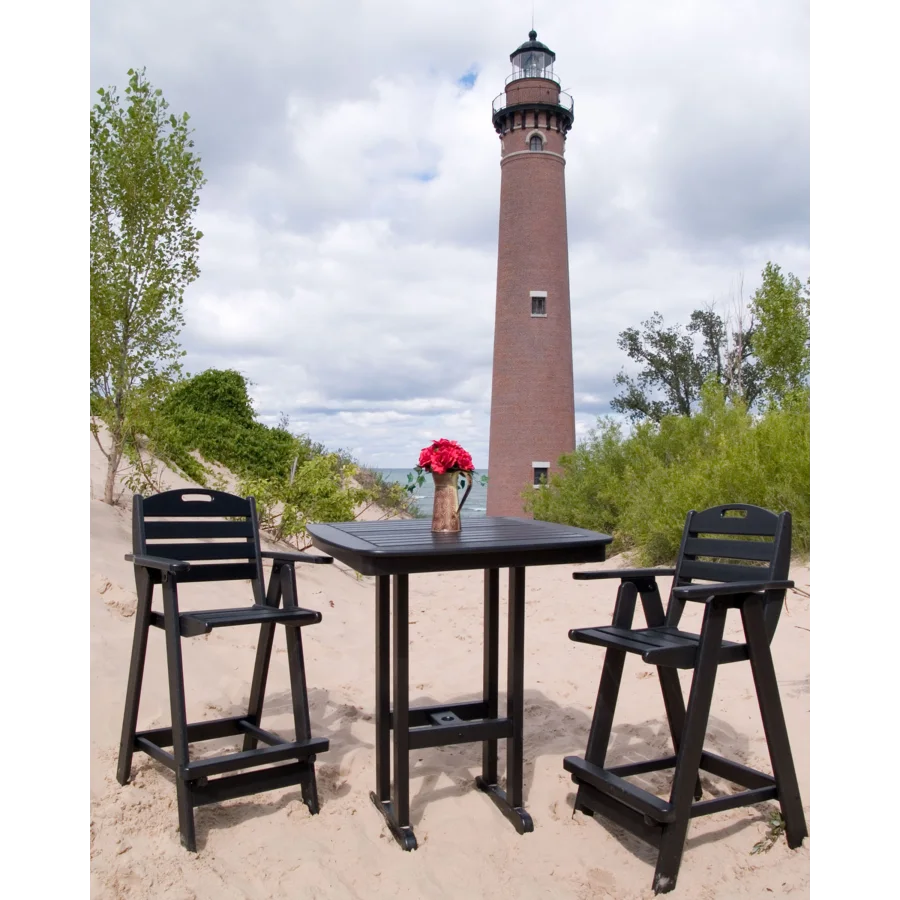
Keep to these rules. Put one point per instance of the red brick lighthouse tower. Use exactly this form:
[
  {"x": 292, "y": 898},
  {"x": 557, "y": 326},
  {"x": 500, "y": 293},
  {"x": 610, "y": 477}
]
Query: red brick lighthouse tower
[{"x": 532, "y": 399}]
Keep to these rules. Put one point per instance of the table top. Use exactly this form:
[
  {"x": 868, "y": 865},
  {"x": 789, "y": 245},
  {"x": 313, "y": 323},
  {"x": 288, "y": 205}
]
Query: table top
[{"x": 401, "y": 546}]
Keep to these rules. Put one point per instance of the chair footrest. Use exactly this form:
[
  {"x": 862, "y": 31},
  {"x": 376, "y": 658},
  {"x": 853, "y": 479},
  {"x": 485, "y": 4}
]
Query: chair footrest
[
  {"x": 659, "y": 646},
  {"x": 152, "y": 742},
  {"x": 232, "y": 762},
  {"x": 229, "y": 787},
  {"x": 208, "y": 730},
  {"x": 203, "y": 621},
  {"x": 610, "y": 783},
  {"x": 618, "y": 789}
]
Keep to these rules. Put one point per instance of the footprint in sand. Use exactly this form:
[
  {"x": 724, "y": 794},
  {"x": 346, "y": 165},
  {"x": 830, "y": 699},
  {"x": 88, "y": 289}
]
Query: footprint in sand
[
  {"x": 601, "y": 878},
  {"x": 115, "y": 597}
]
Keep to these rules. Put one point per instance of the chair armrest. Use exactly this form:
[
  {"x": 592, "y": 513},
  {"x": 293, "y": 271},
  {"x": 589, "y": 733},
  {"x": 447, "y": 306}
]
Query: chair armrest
[
  {"x": 624, "y": 574},
  {"x": 172, "y": 566},
  {"x": 705, "y": 592},
  {"x": 288, "y": 556}
]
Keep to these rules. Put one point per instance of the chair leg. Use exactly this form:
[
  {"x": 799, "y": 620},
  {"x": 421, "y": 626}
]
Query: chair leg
[
  {"x": 135, "y": 674},
  {"x": 179, "y": 715},
  {"x": 608, "y": 692},
  {"x": 263, "y": 658},
  {"x": 690, "y": 752},
  {"x": 299, "y": 695},
  {"x": 673, "y": 699},
  {"x": 675, "y": 712},
  {"x": 774, "y": 725}
]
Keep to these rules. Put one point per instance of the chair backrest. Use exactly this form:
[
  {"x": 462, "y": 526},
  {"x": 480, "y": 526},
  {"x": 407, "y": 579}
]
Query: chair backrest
[
  {"x": 217, "y": 533},
  {"x": 714, "y": 547}
]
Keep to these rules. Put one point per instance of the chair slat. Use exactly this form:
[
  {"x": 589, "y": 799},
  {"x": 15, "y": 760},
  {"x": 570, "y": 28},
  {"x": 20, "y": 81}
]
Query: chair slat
[
  {"x": 722, "y": 572},
  {"x": 195, "y": 502},
  {"x": 157, "y": 530},
  {"x": 191, "y": 551},
  {"x": 220, "y": 572},
  {"x": 757, "y": 550},
  {"x": 756, "y": 521}
]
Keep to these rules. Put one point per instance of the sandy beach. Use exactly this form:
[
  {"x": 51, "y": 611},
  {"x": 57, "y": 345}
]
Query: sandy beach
[{"x": 268, "y": 845}]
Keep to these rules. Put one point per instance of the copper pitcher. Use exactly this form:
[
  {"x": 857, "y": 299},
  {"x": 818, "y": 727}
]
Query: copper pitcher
[{"x": 446, "y": 500}]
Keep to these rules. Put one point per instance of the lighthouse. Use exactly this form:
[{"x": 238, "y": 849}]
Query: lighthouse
[{"x": 532, "y": 393}]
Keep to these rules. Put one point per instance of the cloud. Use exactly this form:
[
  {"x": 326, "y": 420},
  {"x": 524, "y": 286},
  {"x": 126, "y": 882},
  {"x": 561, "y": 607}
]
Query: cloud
[{"x": 351, "y": 211}]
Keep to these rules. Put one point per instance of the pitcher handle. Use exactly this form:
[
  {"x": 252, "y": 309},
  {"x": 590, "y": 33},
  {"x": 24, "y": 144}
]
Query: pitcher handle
[{"x": 468, "y": 477}]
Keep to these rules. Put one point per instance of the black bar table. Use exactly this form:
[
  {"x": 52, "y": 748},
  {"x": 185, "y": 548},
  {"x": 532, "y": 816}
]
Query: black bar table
[{"x": 394, "y": 550}]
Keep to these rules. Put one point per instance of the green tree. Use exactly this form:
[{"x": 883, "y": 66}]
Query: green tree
[
  {"x": 145, "y": 184},
  {"x": 781, "y": 343},
  {"x": 676, "y": 362}
]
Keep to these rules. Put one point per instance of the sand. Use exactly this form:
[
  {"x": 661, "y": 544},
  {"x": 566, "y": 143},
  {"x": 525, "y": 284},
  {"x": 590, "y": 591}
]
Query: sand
[{"x": 268, "y": 845}]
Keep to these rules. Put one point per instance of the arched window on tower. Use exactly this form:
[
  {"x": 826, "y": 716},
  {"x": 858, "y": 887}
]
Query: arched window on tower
[{"x": 535, "y": 143}]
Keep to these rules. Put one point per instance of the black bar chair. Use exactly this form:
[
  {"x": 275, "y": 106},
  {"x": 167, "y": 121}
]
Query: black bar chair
[
  {"x": 714, "y": 549},
  {"x": 196, "y": 535}
]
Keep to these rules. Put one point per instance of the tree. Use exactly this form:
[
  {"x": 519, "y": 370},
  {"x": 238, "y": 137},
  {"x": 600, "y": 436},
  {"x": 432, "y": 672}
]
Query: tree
[
  {"x": 781, "y": 343},
  {"x": 677, "y": 360},
  {"x": 670, "y": 366},
  {"x": 145, "y": 184}
]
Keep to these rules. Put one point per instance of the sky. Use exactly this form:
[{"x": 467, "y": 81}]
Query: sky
[{"x": 350, "y": 215}]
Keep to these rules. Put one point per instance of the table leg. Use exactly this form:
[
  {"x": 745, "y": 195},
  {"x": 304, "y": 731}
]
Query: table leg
[
  {"x": 383, "y": 687},
  {"x": 515, "y": 700},
  {"x": 509, "y": 802},
  {"x": 400, "y": 794},
  {"x": 490, "y": 693},
  {"x": 393, "y": 804}
]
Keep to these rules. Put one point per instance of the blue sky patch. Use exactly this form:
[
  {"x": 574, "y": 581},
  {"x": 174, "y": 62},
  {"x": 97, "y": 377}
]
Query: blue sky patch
[{"x": 467, "y": 81}]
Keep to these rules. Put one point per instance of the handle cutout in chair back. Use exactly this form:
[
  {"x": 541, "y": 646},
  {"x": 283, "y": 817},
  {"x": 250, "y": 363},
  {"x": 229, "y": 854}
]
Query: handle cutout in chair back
[{"x": 194, "y": 502}]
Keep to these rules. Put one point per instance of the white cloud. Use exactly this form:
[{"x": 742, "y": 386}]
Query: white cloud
[{"x": 350, "y": 219}]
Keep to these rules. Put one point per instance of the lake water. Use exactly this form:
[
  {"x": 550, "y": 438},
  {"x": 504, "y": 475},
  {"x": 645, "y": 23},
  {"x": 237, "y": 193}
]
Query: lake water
[{"x": 475, "y": 506}]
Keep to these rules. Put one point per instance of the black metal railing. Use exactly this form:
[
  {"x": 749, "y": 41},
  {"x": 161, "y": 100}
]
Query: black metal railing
[
  {"x": 566, "y": 102},
  {"x": 532, "y": 73}
]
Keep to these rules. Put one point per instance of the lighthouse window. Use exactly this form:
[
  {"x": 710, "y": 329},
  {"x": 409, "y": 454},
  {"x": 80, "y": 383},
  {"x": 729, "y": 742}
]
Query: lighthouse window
[
  {"x": 538, "y": 304},
  {"x": 535, "y": 143}
]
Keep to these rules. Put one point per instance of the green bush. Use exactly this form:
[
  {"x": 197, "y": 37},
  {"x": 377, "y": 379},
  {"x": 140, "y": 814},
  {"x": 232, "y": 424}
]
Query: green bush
[
  {"x": 293, "y": 478},
  {"x": 212, "y": 414},
  {"x": 639, "y": 488},
  {"x": 320, "y": 491}
]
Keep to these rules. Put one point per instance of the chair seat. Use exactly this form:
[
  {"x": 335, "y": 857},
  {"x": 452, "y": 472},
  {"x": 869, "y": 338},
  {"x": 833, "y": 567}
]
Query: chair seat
[
  {"x": 660, "y": 646},
  {"x": 203, "y": 621}
]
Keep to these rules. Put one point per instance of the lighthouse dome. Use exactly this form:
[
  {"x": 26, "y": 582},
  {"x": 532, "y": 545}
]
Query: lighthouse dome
[{"x": 532, "y": 59}]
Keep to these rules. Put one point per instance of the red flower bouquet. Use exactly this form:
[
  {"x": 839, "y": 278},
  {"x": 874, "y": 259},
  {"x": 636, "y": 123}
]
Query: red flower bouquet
[
  {"x": 451, "y": 467},
  {"x": 444, "y": 456}
]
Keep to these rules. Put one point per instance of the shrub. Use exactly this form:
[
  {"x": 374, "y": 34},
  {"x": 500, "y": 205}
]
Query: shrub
[{"x": 639, "y": 488}]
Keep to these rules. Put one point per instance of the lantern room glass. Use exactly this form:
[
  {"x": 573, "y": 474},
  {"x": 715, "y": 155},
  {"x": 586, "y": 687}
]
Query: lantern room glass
[{"x": 532, "y": 64}]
